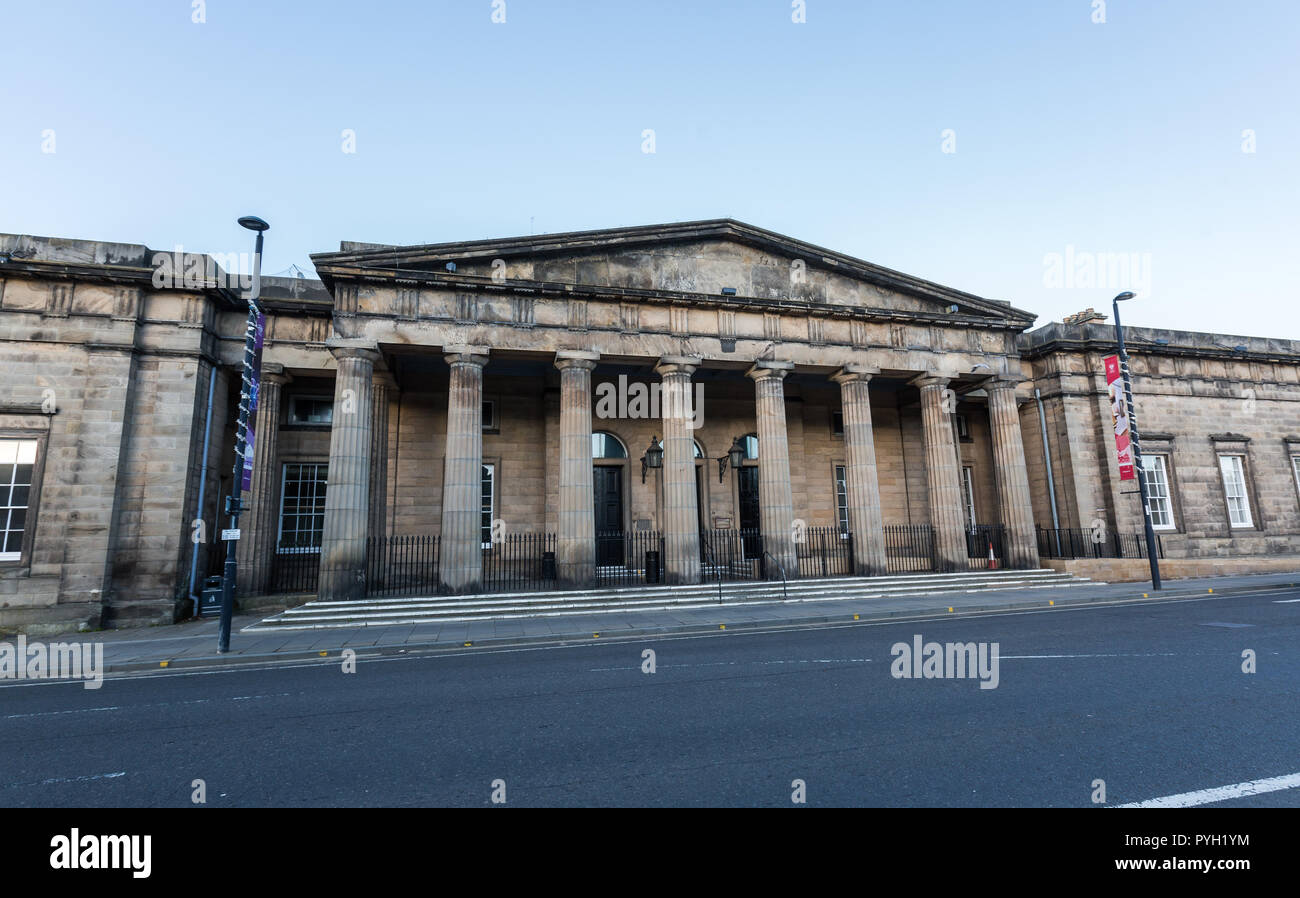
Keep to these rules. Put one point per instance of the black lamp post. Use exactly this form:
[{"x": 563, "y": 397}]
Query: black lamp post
[
  {"x": 1137, "y": 448},
  {"x": 653, "y": 458},
  {"x": 735, "y": 455},
  {"x": 233, "y": 502}
]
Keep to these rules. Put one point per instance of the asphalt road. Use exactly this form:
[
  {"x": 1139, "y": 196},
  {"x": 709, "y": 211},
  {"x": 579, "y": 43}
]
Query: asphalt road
[{"x": 1149, "y": 698}]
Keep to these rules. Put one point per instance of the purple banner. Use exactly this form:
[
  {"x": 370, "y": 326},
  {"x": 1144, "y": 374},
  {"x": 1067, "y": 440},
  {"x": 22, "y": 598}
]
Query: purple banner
[{"x": 253, "y": 390}]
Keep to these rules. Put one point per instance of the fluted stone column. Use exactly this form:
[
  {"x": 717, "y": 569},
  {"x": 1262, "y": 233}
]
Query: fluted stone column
[
  {"x": 862, "y": 479},
  {"x": 257, "y": 545},
  {"x": 1011, "y": 474},
  {"x": 943, "y": 475},
  {"x": 347, "y": 496},
  {"x": 460, "y": 564},
  {"x": 776, "y": 505},
  {"x": 681, "y": 516},
  {"x": 384, "y": 387},
  {"x": 575, "y": 540}
]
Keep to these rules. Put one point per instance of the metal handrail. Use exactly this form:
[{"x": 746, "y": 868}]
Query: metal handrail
[
  {"x": 785, "y": 591},
  {"x": 708, "y": 551}
]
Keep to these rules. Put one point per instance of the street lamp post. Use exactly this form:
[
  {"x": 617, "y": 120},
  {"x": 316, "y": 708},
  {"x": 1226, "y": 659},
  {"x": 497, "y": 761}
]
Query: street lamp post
[
  {"x": 233, "y": 502},
  {"x": 1137, "y": 446}
]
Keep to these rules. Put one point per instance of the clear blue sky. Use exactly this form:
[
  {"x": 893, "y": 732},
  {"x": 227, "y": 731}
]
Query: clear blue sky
[{"x": 1123, "y": 137}]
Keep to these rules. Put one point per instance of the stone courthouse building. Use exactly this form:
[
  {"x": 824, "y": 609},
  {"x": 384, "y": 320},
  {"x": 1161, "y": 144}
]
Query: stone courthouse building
[{"x": 650, "y": 404}]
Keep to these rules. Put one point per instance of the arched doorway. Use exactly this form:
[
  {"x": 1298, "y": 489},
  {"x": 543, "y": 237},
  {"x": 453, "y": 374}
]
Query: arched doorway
[{"x": 608, "y": 464}]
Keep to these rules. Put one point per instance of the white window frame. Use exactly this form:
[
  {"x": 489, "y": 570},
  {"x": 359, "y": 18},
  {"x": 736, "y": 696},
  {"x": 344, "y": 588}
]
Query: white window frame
[
  {"x": 19, "y": 452},
  {"x": 1295, "y": 466},
  {"x": 487, "y": 504},
  {"x": 1237, "y": 480},
  {"x": 963, "y": 426},
  {"x": 968, "y": 496},
  {"x": 284, "y": 484},
  {"x": 842, "y": 493},
  {"x": 1159, "y": 463}
]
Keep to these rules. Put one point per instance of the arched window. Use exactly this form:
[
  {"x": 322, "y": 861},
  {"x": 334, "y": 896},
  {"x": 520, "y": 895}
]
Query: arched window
[
  {"x": 699, "y": 453},
  {"x": 606, "y": 445}
]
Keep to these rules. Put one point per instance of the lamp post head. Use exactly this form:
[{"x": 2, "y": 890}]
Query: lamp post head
[
  {"x": 737, "y": 452},
  {"x": 1127, "y": 294},
  {"x": 253, "y": 223}
]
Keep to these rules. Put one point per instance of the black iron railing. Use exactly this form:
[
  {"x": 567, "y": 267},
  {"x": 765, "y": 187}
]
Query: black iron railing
[
  {"x": 519, "y": 562},
  {"x": 294, "y": 569},
  {"x": 986, "y": 546},
  {"x": 732, "y": 555},
  {"x": 1100, "y": 543},
  {"x": 402, "y": 565},
  {"x": 824, "y": 552},
  {"x": 909, "y": 548},
  {"x": 627, "y": 558}
]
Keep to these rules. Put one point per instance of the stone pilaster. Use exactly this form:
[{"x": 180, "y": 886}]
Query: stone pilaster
[
  {"x": 460, "y": 564},
  {"x": 776, "y": 506},
  {"x": 681, "y": 522},
  {"x": 943, "y": 475},
  {"x": 862, "y": 479},
  {"x": 384, "y": 387},
  {"x": 1011, "y": 474},
  {"x": 347, "y": 497},
  {"x": 575, "y": 541},
  {"x": 257, "y": 545}
]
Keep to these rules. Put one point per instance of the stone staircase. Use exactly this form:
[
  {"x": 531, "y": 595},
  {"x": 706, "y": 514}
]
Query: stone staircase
[{"x": 380, "y": 612}]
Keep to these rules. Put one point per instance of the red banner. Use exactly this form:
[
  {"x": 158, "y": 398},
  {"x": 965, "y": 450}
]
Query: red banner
[{"x": 1119, "y": 417}]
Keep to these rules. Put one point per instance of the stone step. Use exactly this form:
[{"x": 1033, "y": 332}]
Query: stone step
[
  {"x": 728, "y": 588},
  {"x": 330, "y": 615}
]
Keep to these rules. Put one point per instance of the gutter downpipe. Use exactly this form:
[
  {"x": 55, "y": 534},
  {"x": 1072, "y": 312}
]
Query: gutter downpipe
[
  {"x": 203, "y": 483},
  {"x": 1051, "y": 484}
]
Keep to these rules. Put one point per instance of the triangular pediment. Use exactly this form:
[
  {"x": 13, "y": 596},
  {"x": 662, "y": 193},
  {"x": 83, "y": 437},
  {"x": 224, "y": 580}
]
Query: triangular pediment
[{"x": 702, "y": 258}]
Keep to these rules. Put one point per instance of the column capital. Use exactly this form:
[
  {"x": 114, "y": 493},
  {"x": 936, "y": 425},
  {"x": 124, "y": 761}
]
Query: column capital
[
  {"x": 384, "y": 379},
  {"x": 576, "y": 358},
  {"x": 466, "y": 355},
  {"x": 930, "y": 380},
  {"x": 1004, "y": 382},
  {"x": 273, "y": 373},
  {"x": 854, "y": 372},
  {"x": 342, "y": 348},
  {"x": 677, "y": 364},
  {"x": 765, "y": 368}
]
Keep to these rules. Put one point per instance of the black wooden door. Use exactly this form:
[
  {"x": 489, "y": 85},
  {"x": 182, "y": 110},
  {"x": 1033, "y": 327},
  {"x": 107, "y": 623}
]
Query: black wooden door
[
  {"x": 747, "y": 481},
  {"x": 607, "y": 483}
]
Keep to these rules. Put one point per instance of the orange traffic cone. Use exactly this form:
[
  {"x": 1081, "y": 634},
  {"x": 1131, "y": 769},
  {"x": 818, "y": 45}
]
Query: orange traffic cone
[{"x": 993, "y": 560}]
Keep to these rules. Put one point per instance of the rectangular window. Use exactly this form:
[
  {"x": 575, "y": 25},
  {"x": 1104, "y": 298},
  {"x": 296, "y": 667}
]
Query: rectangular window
[
  {"x": 17, "y": 462},
  {"x": 968, "y": 495},
  {"x": 302, "y": 507},
  {"x": 1295, "y": 464},
  {"x": 1234, "y": 486},
  {"x": 837, "y": 424},
  {"x": 1162, "y": 507},
  {"x": 842, "y": 498},
  {"x": 963, "y": 428},
  {"x": 489, "y": 494},
  {"x": 489, "y": 414},
  {"x": 311, "y": 410}
]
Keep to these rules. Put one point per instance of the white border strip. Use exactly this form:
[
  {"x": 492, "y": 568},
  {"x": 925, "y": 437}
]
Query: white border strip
[{"x": 1222, "y": 793}]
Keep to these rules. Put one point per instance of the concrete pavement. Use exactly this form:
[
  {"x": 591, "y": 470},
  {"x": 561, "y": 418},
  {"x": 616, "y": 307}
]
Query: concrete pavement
[{"x": 193, "y": 644}]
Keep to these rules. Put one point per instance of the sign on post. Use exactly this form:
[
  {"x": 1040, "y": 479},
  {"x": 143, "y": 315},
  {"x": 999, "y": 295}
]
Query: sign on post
[{"x": 1119, "y": 417}]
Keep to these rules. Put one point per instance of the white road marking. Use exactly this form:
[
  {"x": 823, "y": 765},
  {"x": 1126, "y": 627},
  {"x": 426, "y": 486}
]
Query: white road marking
[
  {"x": 1117, "y": 655},
  {"x": 731, "y": 663},
  {"x": 72, "y": 779},
  {"x": 1284, "y": 601},
  {"x": 1222, "y": 793},
  {"x": 52, "y": 713},
  {"x": 192, "y": 701}
]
